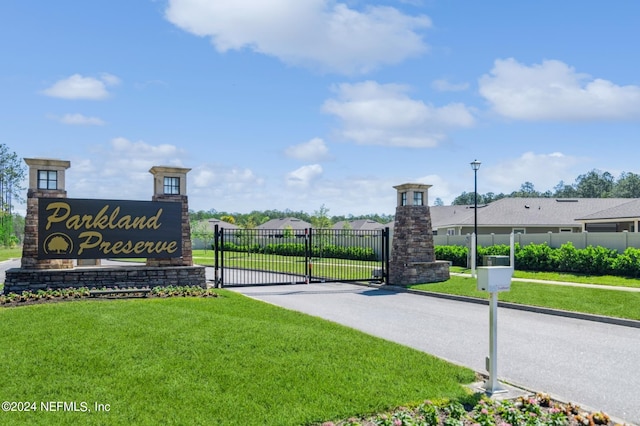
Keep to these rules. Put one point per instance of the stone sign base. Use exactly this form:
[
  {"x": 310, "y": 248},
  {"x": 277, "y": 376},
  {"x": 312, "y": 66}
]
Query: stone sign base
[
  {"x": 418, "y": 272},
  {"x": 18, "y": 280}
]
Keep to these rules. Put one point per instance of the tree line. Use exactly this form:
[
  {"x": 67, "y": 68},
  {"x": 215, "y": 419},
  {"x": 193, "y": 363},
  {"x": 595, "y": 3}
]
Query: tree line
[
  {"x": 319, "y": 219},
  {"x": 594, "y": 184},
  {"x": 12, "y": 174}
]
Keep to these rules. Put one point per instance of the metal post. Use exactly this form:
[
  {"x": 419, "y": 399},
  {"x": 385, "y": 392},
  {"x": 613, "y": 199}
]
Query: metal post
[
  {"x": 216, "y": 251},
  {"x": 474, "y": 255},
  {"x": 475, "y": 165}
]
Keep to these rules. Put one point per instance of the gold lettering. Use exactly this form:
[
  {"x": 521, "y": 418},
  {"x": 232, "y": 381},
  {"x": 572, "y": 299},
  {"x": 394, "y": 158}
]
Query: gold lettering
[
  {"x": 56, "y": 217},
  {"x": 124, "y": 222},
  {"x": 88, "y": 243},
  {"x": 139, "y": 247},
  {"x": 153, "y": 220},
  {"x": 113, "y": 217},
  {"x": 93, "y": 239}
]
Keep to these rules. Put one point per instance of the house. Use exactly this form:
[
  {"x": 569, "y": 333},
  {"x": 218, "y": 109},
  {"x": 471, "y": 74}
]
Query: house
[
  {"x": 283, "y": 226},
  {"x": 359, "y": 225},
  {"x": 211, "y": 224},
  {"x": 616, "y": 218},
  {"x": 538, "y": 215},
  {"x": 202, "y": 232}
]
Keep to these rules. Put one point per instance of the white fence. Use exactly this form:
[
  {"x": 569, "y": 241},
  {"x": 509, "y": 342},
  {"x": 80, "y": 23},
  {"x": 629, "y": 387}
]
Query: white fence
[{"x": 613, "y": 240}]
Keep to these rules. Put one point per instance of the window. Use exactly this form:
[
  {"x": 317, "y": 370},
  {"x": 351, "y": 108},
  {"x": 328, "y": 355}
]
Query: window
[
  {"x": 451, "y": 232},
  {"x": 417, "y": 198},
  {"x": 565, "y": 230},
  {"x": 47, "y": 179},
  {"x": 403, "y": 199},
  {"x": 172, "y": 185},
  {"x": 519, "y": 231}
]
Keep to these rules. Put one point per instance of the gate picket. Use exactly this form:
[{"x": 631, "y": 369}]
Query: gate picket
[{"x": 277, "y": 256}]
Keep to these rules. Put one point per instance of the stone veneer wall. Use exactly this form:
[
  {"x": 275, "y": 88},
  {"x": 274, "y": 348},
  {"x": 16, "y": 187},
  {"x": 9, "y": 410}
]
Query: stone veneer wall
[
  {"x": 412, "y": 254},
  {"x": 18, "y": 280},
  {"x": 30, "y": 245},
  {"x": 187, "y": 252}
]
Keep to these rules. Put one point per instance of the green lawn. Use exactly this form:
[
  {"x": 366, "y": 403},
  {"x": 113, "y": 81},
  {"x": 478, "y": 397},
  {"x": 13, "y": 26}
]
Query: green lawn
[
  {"x": 14, "y": 253},
  {"x": 220, "y": 361},
  {"x": 614, "y": 303}
]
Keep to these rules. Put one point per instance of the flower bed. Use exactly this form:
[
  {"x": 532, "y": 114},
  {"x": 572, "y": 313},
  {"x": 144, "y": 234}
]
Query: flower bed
[
  {"x": 537, "y": 410},
  {"x": 57, "y": 295}
]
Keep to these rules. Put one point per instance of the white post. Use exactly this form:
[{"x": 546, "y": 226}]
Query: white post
[{"x": 492, "y": 386}]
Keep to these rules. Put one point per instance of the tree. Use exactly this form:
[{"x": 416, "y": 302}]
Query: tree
[
  {"x": 466, "y": 198},
  {"x": 527, "y": 190},
  {"x": 12, "y": 174},
  {"x": 627, "y": 186},
  {"x": 228, "y": 218},
  {"x": 595, "y": 184},
  {"x": 438, "y": 202},
  {"x": 200, "y": 230},
  {"x": 320, "y": 218},
  {"x": 563, "y": 191}
]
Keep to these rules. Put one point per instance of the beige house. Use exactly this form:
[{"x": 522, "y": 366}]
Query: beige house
[
  {"x": 359, "y": 225},
  {"x": 539, "y": 215}
]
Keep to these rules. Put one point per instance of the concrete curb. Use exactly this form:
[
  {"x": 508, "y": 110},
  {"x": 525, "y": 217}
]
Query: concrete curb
[{"x": 536, "y": 309}]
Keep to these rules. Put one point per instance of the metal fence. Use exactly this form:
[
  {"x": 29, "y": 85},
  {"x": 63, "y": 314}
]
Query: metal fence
[{"x": 277, "y": 256}]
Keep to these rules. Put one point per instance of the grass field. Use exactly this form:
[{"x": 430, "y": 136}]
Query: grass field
[
  {"x": 621, "y": 304},
  {"x": 225, "y": 361}
]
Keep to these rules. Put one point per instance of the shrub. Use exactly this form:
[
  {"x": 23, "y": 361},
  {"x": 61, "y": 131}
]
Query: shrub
[
  {"x": 594, "y": 260},
  {"x": 534, "y": 257},
  {"x": 457, "y": 255}
]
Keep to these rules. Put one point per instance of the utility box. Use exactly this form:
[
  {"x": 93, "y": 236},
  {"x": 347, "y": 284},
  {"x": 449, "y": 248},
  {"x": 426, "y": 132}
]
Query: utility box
[
  {"x": 495, "y": 260},
  {"x": 494, "y": 278}
]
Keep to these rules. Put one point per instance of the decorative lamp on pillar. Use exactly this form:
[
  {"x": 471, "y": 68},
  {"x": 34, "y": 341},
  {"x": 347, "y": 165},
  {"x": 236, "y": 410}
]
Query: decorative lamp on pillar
[
  {"x": 170, "y": 184},
  {"x": 46, "y": 180}
]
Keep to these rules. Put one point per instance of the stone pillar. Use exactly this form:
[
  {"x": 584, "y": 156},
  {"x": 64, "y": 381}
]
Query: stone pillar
[
  {"x": 170, "y": 185},
  {"x": 412, "y": 253},
  {"x": 46, "y": 180}
]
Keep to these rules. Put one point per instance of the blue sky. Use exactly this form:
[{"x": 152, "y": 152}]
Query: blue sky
[{"x": 294, "y": 104}]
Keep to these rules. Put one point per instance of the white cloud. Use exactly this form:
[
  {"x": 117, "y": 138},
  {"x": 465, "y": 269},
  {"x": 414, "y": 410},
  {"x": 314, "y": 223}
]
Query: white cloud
[
  {"x": 443, "y": 85},
  {"x": 554, "y": 91},
  {"x": 323, "y": 34},
  {"x": 543, "y": 170},
  {"x": 383, "y": 114},
  {"x": 313, "y": 150},
  {"x": 304, "y": 176},
  {"x": 120, "y": 170},
  {"x": 80, "y": 120},
  {"x": 79, "y": 87},
  {"x": 224, "y": 178}
]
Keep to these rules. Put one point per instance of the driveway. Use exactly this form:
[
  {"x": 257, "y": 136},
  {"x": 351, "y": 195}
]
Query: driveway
[{"x": 592, "y": 364}]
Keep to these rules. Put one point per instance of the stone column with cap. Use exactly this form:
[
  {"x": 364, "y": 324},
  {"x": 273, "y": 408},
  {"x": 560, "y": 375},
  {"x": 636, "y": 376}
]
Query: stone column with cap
[
  {"x": 170, "y": 185},
  {"x": 412, "y": 253},
  {"x": 46, "y": 180}
]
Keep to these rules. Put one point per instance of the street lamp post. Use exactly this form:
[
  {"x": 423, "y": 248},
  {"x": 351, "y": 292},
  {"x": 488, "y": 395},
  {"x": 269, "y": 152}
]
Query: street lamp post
[{"x": 475, "y": 165}]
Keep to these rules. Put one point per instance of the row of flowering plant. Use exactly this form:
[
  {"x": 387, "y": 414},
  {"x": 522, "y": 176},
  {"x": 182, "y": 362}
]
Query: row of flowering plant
[
  {"x": 39, "y": 296},
  {"x": 538, "y": 410}
]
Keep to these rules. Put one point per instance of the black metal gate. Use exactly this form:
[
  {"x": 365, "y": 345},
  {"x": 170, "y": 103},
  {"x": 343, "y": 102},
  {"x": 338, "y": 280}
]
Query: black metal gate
[{"x": 288, "y": 256}]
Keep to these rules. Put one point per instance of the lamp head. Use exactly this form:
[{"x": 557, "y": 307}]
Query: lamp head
[{"x": 475, "y": 164}]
